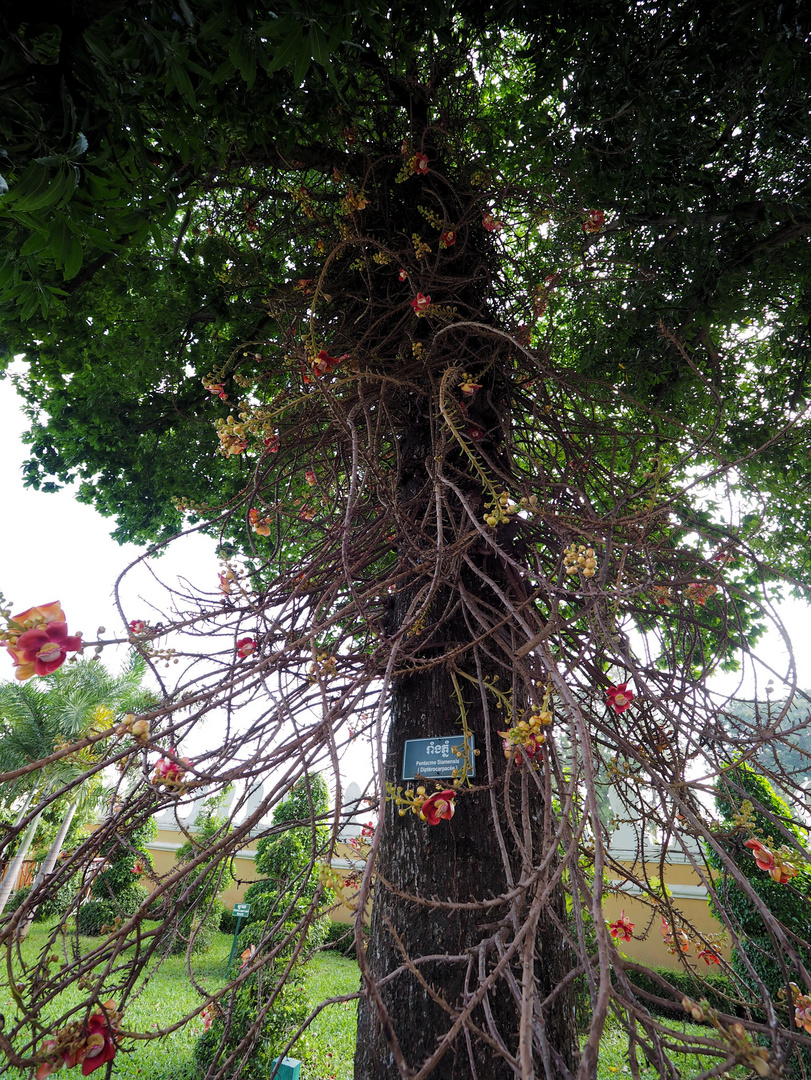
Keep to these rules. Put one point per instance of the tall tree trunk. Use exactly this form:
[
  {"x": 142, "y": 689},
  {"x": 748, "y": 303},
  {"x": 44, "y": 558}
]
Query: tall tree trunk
[
  {"x": 9, "y": 883},
  {"x": 457, "y": 861},
  {"x": 49, "y": 864}
]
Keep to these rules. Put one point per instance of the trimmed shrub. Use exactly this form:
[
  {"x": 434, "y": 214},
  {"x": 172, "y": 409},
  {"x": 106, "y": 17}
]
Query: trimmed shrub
[
  {"x": 769, "y": 820},
  {"x": 198, "y": 911},
  {"x": 715, "y": 986},
  {"x": 115, "y": 889}
]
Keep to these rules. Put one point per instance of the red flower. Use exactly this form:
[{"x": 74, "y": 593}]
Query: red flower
[
  {"x": 594, "y": 222},
  {"x": 420, "y": 303},
  {"x": 246, "y": 646},
  {"x": 491, "y": 224},
  {"x": 100, "y": 1047},
  {"x": 169, "y": 772},
  {"x": 440, "y": 805},
  {"x": 311, "y": 478},
  {"x": 324, "y": 363},
  {"x": 403, "y": 275},
  {"x": 272, "y": 443},
  {"x": 763, "y": 857},
  {"x": 137, "y": 626},
  {"x": 448, "y": 239},
  {"x": 368, "y": 829},
  {"x": 421, "y": 164},
  {"x": 709, "y": 955},
  {"x": 622, "y": 928},
  {"x": 620, "y": 697},
  {"x": 44, "y": 648},
  {"x": 475, "y": 433}
]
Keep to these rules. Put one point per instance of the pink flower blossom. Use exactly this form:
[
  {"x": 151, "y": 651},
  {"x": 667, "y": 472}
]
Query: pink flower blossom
[
  {"x": 491, "y": 224},
  {"x": 619, "y": 697},
  {"x": 43, "y": 648},
  {"x": 311, "y": 478},
  {"x": 137, "y": 626},
  {"x": 421, "y": 164}
]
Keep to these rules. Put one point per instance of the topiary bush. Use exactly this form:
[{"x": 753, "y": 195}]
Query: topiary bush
[
  {"x": 116, "y": 891},
  {"x": 768, "y": 819},
  {"x": 197, "y": 909},
  {"x": 278, "y": 903}
]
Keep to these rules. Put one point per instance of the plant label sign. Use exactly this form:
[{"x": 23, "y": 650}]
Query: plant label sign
[
  {"x": 242, "y": 911},
  {"x": 435, "y": 759}
]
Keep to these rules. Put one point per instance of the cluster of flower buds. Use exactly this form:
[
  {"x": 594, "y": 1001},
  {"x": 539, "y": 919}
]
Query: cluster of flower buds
[
  {"x": 232, "y": 436},
  {"x": 139, "y": 729},
  {"x": 735, "y": 1036},
  {"x": 775, "y": 863},
  {"x": 325, "y": 666},
  {"x": 499, "y": 509},
  {"x": 579, "y": 557},
  {"x": 91, "y": 1045},
  {"x": 526, "y": 738},
  {"x": 329, "y": 877},
  {"x": 171, "y": 774}
]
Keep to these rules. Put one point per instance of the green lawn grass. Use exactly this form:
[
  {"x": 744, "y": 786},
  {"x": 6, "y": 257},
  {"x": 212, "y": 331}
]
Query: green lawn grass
[{"x": 326, "y": 1050}]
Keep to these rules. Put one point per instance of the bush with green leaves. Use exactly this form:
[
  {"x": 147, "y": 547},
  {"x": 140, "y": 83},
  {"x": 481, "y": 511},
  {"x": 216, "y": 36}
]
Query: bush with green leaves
[
  {"x": 196, "y": 905},
  {"x": 288, "y": 855},
  {"x": 278, "y": 903},
  {"x": 750, "y": 809},
  {"x": 116, "y": 891}
]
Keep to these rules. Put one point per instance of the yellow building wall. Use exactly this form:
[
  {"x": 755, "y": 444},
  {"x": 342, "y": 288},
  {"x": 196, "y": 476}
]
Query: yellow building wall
[{"x": 647, "y": 945}]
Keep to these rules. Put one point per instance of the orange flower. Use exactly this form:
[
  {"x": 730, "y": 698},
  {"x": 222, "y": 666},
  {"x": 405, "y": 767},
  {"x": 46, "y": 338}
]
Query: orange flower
[
  {"x": 44, "y": 642},
  {"x": 259, "y": 524},
  {"x": 438, "y": 806},
  {"x": 709, "y": 955},
  {"x": 622, "y": 928},
  {"x": 682, "y": 940}
]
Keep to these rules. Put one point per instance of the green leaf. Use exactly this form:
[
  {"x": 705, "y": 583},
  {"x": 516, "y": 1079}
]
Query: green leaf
[
  {"x": 286, "y": 52},
  {"x": 35, "y": 242}
]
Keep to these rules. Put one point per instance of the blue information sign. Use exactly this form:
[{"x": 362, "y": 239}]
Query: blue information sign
[{"x": 435, "y": 759}]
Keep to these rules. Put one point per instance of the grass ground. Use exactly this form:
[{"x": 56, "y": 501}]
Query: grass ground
[{"x": 326, "y": 1051}]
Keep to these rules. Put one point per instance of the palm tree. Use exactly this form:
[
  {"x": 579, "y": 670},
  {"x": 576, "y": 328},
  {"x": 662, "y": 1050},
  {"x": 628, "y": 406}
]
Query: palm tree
[{"x": 34, "y": 718}]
